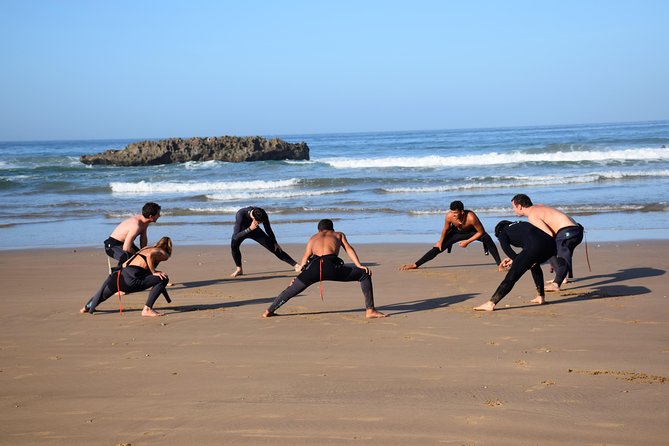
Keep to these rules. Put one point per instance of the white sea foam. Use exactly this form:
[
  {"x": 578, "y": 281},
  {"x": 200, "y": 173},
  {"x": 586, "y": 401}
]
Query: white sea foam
[
  {"x": 276, "y": 195},
  {"x": 521, "y": 181},
  {"x": 201, "y": 165},
  {"x": 197, "y": 187},
  {"x": 218, "y": 210},
  {"x": 494, "y": 158}
]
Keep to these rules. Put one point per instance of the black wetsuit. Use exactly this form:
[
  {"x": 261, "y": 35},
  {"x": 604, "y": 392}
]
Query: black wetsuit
[
  {"x": 537, "y": 246},
  {"x": 133, "y": 278},
  {"x": 114, "y": 249},
  {"x": 332, "y": 268},
  {"x": 566, "y": 240},
  {"x": 455, "y": 235},
  {"x": 242, "y": 231}
]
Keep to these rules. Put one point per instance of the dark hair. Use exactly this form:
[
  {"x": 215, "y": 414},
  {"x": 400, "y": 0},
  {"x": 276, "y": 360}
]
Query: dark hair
[
  {"x": 150, "y": 209},
  {"x": 258, "y": 214},
  {"x": 325, "y": 225},
  {"x": 502, "y": 225},
  {"x": 522, "y": 200},
  {"x": 457, "y": 206}
]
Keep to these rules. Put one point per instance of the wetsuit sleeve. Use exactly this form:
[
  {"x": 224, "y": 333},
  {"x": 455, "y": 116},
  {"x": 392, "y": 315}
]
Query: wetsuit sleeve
[
  {"x": 238, "y": 231},
  {"x": 505, "y": 244}
]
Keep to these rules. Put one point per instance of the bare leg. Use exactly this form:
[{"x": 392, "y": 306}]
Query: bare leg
[
  {"x": 488, "y": 306},
  {"x": 371, "y": 313},
  {"x": 407, "y": 267},
  {"x": 539, "y": 300},
  {"x": 237, "y": 272},
  {"x": 149, "y": 312}
]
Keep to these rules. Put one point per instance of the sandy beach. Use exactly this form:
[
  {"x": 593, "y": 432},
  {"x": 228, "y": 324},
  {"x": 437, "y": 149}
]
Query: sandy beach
[{"x": 590, "y": 367}]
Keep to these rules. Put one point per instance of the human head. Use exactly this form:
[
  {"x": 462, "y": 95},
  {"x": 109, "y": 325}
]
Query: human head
[
  {"x": 325, "y": 225},
  {"x": 151, "y": 211},
  {"x": 502, "y": 225},
  {"x": 165, "y": 244},
  {"x": 520, "y": 202},
  {"x": 257, "y": 214},
  {"x": 457, "y": 206}
]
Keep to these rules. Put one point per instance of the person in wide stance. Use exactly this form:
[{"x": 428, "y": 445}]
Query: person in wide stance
[{"x": 321, "y": 262}]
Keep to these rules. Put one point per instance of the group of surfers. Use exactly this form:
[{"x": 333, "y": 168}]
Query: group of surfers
[{"x": 549, "y": 235}]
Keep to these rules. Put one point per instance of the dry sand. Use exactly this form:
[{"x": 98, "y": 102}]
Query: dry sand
[{"x": 590, "y": 367}]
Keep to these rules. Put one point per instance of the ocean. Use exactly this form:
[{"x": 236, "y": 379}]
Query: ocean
[{"x": 386, "y": 187}]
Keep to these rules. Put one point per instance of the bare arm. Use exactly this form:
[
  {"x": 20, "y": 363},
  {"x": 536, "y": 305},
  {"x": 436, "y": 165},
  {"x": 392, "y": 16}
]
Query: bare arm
[
  {"x": 308, "y": 252},
  {"x": 143, "y": 239},
  {"x": 351, "y": 253},
  {"x": 153, "y": 259},
  {"x": 444, "y": 231},
  {"x": 130, "y": 238}
]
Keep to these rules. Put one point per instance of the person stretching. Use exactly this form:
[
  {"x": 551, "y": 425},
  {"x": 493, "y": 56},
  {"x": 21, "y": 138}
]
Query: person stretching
[
  {"x": 537, "y": 246},
  {"x": 461, "y": 225},
  {"x": 137, "y": 274},
  {"x": 247, "y": 222},
  {"x": 321, "y": 262}
]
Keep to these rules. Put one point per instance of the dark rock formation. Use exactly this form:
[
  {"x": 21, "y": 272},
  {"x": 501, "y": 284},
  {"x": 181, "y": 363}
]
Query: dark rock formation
[{"x": 176, "y": 150}]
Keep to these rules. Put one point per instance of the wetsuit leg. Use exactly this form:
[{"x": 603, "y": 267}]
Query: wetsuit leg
[
  {"x": 520, "y": 265},
  {"x": 107, "y": 290},
  {"x": 295, "y": 288},
  {"x": 345, "y": 273},
  {"x": 236, "y": 252},
  {"x": 566, "y": 241},
  {"x": 262, "y": 238},
  {"x": 452, "y": 237},
  {"x": 136, "y": 279},
  {"x": 490, "y": 247}
]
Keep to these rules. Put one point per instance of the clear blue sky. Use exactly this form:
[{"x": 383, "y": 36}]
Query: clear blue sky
[{"x": 135, "y": 68}]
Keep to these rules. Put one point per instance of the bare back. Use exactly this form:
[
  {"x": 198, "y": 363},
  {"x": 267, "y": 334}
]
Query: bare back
[
  {"x": 548, "y": 219},
  {"x": 128, "y": 230},
  {"x": 324, "y": 243}
]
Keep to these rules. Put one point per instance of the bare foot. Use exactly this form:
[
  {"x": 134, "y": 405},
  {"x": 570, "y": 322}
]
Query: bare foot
[
  {"x": 149, "y": 312},
  {"x": 406, "y": 267},
  {"x": 488, "y": 306},
  {"x": 539, "y": 300},
  {"x": 371, "y": 313},
  {"x": 267, "y": 313},
  {"x": 237, "y": 272},
  {"x": 84, "y": 310},
  {"x": 552, "y": 287}
]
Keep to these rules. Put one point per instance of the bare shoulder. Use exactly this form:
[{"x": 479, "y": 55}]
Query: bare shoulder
[{"x": 471, "y": 216}]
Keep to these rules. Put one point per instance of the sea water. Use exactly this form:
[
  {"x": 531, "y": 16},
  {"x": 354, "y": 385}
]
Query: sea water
[{"x": 389, "y": 187}]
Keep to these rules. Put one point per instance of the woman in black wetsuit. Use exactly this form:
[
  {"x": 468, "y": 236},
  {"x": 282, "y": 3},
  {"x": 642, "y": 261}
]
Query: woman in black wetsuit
[
  {"x": 537, "y": 246},
  {"x": 138, "y": 273}
]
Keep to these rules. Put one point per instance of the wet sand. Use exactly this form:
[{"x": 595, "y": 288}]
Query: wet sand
[{"x": 590, "y": 367}]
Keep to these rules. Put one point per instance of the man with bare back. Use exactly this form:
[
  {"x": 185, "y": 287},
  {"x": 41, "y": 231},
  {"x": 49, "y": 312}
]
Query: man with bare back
[
  {"x": 461, "y": 225},
  {"x": 121, "y": 243},
  {"x": 567, "y": 233},
  {"x": 321, "y": 262}
]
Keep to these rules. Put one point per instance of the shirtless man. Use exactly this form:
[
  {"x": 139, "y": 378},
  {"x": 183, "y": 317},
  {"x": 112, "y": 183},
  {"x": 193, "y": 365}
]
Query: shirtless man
[
  {"x": 567, "y": 233},
  {"x": 321, "y": 262},
  {"x": 121, "y": 243},
  {"x": 247, "y": 225},
  {"x": 461, "y": 225}
]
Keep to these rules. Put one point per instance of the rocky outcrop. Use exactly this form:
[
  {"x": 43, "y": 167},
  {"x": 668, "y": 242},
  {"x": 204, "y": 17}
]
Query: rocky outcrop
[{"x": 176, "y": 150}]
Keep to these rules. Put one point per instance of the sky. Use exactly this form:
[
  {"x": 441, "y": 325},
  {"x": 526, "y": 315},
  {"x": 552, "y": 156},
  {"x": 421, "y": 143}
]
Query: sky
[{"x": 94, "y": 69}]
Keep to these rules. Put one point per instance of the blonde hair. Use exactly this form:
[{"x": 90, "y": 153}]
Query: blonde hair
[{"x": 165, "y": 244}]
